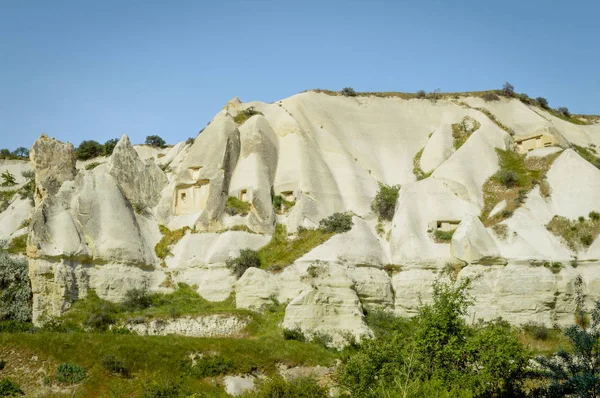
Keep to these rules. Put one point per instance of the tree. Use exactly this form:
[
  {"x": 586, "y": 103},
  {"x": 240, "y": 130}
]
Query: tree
[
  {"x": 563, "y": 110},
  {"x": 5, "y": 153},
  {"x": 348, "y": 92},
  {"x": 109, "y": 146},
  {"x": 9, "y": 179},
  {"x": 421, "y": 94},
  {"x": 576, "y": 373},
  {"x": 155, "y": 141},
  {"x": 21, "y": 152},
  {"x": 508, "y": 89},
  {"x": 89, "y": 149},
  {"x": 542, "y": 101}
]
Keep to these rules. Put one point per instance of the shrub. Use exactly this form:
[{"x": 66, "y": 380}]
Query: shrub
[
  {"x": 248, "y": 258},
  {"x": 278, "y": 387},
  {"x": 245, "y": 114},
  {"x": 280, "y": 204},
  {"x": 563, "y": 110},
  {"x": 508, "y": 178},
  {"x": 575, "y": 372},
  {"x": 536, "y": 330},
  {"x": 92, "y": 165},
  {"x": 337, "y": 223},
  {"x": 137, "y": 299},
  {"x": 190, "y": 141},
  {"x": 508, "y": 89},
  {"x": 543, "y": 102},
  {"x": 594, "y": 216},
  {"x": 155, "y": 141},
  {"x": 348, "y": 92},
  {"x": 443, "y": 236},
  {"x": 89, "y": 149},
  {"x": 109, "y": 146},
  {"x": 163, "y": 389},
  {"x": 587, "y": 239},
  {"x": 101, "y": 317},
  {"x": 421, "y": 94},
  {"x": 384, "y": 203},
  {"x": 294, "y": 334},
  {"x": 235, "y": 206},
  {"x": 15, "y": 290},
  {"x": 435, "y": 95},
  {"x": 114, "y": 365},
  {"x": 9, "y": 388},
  {"x": 490, "y": 96},
  {"x": 211, "y": 365},
  {"x": 69, "y": 373},
  {"x": 9, "y": 179},
  {"x": 2, "y": 364}
]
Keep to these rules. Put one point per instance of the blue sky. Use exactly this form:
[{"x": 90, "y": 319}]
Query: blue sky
[{"x": 97, "y": 69}]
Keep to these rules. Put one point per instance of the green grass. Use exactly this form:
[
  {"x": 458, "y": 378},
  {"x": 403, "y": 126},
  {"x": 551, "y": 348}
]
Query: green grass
[
  {"x": 153, "y": 360},
  {"x": 588, "y": 155},
  {"x": 577, "y": 234},
  {"x": 245, "y": 114},
  {"x": 281, "y": 205},
  {"x": 235, "y": 206},
  {"x": 281, "y": 251},
  {"x": 162, "y": 248},
  {"x": 443, "y": 236},
  {"x": 92, "y": 165},
  {"x": 513, "y": 181},
  {"x": 417, "y": 170},
  {"x": 18, "y": 245},
  {"x": 462, "y": 131}
]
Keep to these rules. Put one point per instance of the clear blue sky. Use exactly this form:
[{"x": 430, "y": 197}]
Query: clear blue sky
[{"x": 97, "y": 69}]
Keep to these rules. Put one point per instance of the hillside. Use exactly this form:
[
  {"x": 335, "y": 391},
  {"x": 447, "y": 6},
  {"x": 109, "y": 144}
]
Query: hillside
[{"x": 274, "y": 205}]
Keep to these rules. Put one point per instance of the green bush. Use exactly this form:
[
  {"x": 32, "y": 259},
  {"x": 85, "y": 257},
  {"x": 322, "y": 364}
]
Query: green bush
[
  {"x": 69, "y": 373},
  {"x": 235, "y": 206},
  {"x": 248, "y": 258},
  {"x": 536, "y": 330},
  {"x": 15, "y": 290},
  {"x": 155, "y": 141},
  {"x": 137, "y": 299},
  {"x": 348, "y": 92},
  {"x": 543, "y": 102},
  {"x": 9, "y": 179},
  {"x": 421, "y": 94},
  {"x": 280, "y": 204},
  {"x": 443, "y": 236},
  {"x": 89, "y": 149},
  {"x": 114, "y": 365},
  {"x": 594, "y": 216},
  {"x": 211, "y": 366},
  {"x": 278, "y": 387},
  {"x": 9, "y": 388},
  {"x": 109, "y": 146},
  {"x": 293, "y": 334},
  {"x": 2, "y": 364},
  {"x": 490, "y": 96},
  {"x": 337, "y": 223},
  {"x": 508, "y": 178},
  {"x": 384, "y": 203},
  {"x": 163, "y": 388},
  {"x": 563, "y": 110},
  {"x": 92, "y": 165},
  {"x": 245, "y": 114}
]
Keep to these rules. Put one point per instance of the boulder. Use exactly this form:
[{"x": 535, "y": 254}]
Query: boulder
[{"x": 472, "y": 242}]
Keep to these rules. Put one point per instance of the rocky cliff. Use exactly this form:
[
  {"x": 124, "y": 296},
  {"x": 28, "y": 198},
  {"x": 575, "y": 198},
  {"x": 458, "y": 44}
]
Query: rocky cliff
[{"x": 502, "y": 192}]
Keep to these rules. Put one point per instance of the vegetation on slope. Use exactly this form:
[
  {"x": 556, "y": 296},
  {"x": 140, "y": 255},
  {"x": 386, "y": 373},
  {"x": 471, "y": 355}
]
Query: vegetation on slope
[
  {"x": 578, "y": 234},
  {"x": 513, "y": 181},
  {"x": 384, "y": 203},
  {"x": 235, "y": 206},
  {"x": 589, "y": 154},
  {"x": 463, "y": 130},
  {"x": 169, "y": 238},
  {"x": 245, "y": 114},
  {"x": 417, "y": 170}
]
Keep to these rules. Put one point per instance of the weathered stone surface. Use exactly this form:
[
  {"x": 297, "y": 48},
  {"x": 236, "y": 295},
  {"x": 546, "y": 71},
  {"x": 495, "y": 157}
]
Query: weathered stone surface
[
  {"x": 141, "y": 181},
  {"x": 330, "y": 306},
  {"x": 218, "y": 325},
  {"x": 54, "y": 163},
  {"x": 472, "y": 242}
]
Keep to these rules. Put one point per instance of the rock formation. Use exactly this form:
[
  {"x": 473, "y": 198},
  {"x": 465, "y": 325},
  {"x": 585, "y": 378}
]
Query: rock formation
[{"x": 97, "y": 229}]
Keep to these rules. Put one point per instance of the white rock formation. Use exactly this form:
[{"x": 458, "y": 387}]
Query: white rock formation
[
  {"x": 97, "y": 229},
  {"x": 218, "y": 325}
]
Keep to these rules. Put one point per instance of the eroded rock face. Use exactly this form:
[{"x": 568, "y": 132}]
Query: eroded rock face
[
  {"x": 97, "y": 229},
  {"x": 203, "y": 326},
  {"x": 141, "y": 182},
  {"x": 54, "y": 163}
]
